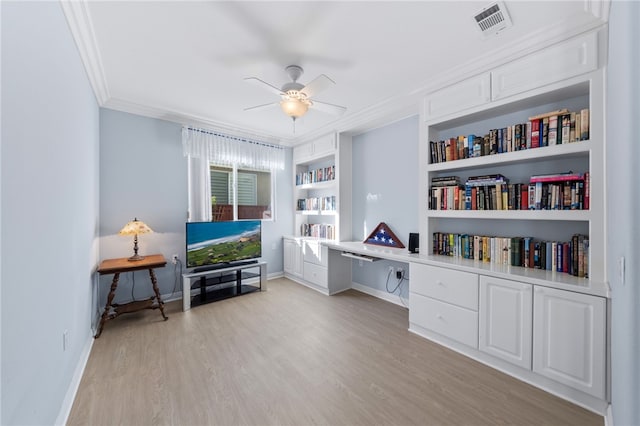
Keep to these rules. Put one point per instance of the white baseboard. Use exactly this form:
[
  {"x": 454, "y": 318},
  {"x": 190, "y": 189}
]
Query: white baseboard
[
  {"x": 393, "y": 298},
  {"x": 608, "y": 417},
  {"x": 70, "y": 395}
]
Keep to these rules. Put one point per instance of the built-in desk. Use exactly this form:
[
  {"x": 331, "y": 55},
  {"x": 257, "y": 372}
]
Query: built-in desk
[{"x": 369, "y": 252}]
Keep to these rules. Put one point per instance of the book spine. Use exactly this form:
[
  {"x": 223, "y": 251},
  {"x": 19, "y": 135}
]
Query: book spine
[
  {"x": 553, "y": 130},
  {"x": 556, "y": 178},
  {"x": 544, "y": 131},
  {"x": 535, "y": 133},
  {"x": 584, "y": 124},
  {"x": 586, "y": 197},
  {"x": 564, "y": 128},
  {"x": 572, "y": 129}
]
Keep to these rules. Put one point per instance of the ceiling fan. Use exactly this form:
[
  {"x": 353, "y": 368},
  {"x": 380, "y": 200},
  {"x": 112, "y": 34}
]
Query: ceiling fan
[{"x": 296, "y": 97}]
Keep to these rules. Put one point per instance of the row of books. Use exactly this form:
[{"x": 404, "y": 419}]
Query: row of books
[
  {"x": 318, "y": 203},
  {"x": 551, "y": 128},
  {"x": 562, "y": 191},
  {"x": 571, "y": 257},
  {"x": 318, "y": 230},
  {"x": 318, "y": 175}
]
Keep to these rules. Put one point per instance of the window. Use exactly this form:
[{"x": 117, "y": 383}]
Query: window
[
  {"x": 229, "y": 177},
  {"x": 253, "y": 193}
]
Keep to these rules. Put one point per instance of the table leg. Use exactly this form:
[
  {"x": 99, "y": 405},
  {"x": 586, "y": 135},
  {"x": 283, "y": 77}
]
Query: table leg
[
  {"x": 107, "y": 307},
  {"x": 154, "y": 282}
]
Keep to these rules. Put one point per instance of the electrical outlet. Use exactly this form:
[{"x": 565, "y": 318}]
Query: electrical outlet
[
  {"x": 399, "y": 273},
  {"x": 174, "y": 259},
  {"x": 65, "y": 340}
]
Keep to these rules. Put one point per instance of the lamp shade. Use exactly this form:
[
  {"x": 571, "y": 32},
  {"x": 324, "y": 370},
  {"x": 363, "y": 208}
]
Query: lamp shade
[
  {"x": 294, "y": 107},
  {"x": 135, "y": 227}
]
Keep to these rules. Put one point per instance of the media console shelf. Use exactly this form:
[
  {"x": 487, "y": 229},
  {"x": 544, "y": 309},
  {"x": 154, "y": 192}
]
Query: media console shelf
[{"x": 199, "y": 288}]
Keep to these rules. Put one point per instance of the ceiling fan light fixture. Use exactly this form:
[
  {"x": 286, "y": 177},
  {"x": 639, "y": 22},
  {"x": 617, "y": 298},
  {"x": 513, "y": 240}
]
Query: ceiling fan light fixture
[{"x": 295, "y": 104}]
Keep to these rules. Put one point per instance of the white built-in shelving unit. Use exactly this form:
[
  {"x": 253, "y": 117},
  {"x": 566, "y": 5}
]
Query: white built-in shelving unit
[
  {"x": 305, "y": 259},
  {"x": 546, "y": 327}
]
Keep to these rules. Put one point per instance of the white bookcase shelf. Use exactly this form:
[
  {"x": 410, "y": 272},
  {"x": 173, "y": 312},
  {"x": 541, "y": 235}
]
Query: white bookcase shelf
[{"x": 540, "y": 311}]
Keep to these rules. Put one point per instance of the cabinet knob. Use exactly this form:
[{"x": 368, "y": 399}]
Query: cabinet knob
[
  {"x": 440, "y": 283},
  {"x": 439, "y": 316}
]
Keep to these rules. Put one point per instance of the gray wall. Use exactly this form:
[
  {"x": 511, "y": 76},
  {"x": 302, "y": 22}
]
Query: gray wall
[
  {"x": 49, "y": 201},
  {"x": 385, "y": 189},
  {"x": 143, "y": 174},
  {"x": 623, "y": 157}
]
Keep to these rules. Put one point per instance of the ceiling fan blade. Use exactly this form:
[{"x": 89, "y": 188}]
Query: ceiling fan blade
[
  {"x": 317, "y": 85},
  {"x": 328, "y": 108},
  {"x": 264, "y": 106},
  {"x": 264, "y": 85}
]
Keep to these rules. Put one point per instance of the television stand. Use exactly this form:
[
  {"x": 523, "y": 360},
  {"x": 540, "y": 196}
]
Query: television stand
[{"x": 199, "y": 288}]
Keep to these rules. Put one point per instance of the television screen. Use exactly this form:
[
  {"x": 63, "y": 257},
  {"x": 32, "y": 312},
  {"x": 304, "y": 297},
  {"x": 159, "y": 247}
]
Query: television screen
[{"x": 211, "y": 244}]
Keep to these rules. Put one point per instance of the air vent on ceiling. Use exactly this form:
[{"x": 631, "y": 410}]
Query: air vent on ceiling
[{"x": 492, "y": 19}]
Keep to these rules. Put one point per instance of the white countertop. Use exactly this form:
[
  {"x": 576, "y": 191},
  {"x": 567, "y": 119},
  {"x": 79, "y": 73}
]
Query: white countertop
[{"x": 545, "y": 278}]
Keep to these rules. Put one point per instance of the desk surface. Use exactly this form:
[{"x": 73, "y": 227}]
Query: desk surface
[
  {"x": 111, "y": 266},
  {"x": 389, "y": 253},
  {"x": 540, "y": 277}
]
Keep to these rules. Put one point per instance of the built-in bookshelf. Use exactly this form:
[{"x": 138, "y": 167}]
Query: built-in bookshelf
[
  {"x": 322, "y": 208},
  {"x": 513, "y": 187},
  {"x": 512, "y": 220},
  {"x": 318, "y": 186}
]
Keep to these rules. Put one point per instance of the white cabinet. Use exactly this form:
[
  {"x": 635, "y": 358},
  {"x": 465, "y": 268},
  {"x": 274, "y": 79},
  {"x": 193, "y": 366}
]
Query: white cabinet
[
  {"x": 444, "y": 301},
  {"x": 322, "y": 188},
  {"x": 292, "y": 257},
  {"x": 506, "y": 318},
  {"x": 314, "y": 268},
  {"x": 455, "y": 287},
  {"x": 569, "y": 339},
  {"x": 472, "y": 92},
  {"x": 556, "y": 63},
  {"x": 320, "y": 147},
  {"x": 540, "y": 324}
]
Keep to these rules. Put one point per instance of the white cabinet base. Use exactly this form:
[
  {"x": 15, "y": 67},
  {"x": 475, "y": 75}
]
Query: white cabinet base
[{"x": 589, "y": 402}]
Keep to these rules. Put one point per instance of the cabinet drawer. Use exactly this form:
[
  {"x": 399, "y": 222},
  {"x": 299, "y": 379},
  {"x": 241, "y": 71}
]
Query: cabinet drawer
[
  {"x": 448, "y": 320},
  {"x": 564, "y": 60},
  {"x": 469, "y": 93},
  {"x": 315, "y": 274},
  {"x": 315, "y": 253},
  {"x": 455, "y": 287}
]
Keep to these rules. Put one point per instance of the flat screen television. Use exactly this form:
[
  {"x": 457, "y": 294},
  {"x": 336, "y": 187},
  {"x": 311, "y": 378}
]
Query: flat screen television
[{"x": 213, "y": 245}]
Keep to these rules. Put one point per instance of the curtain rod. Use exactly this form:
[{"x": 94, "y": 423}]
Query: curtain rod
[{"x": 209, "y": 132}]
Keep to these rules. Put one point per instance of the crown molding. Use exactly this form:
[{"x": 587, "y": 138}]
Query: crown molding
[
  {"x": 383, "y": 113},
  {"x": 598, "y": 8},
  {"x": 187, "y": 119},
  {"x": 81, "y": 25},
  {"x": 402, "y": 106}
]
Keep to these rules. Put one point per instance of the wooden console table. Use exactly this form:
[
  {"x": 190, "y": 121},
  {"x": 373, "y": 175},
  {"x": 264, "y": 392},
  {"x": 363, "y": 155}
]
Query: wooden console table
[{"x": 118, "y": 266}]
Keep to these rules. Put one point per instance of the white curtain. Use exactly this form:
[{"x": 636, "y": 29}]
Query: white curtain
[
  {"x": 227, "y": 150},
  {"x": 203, "y": 147},
  {"x": 199, "y": 185}
]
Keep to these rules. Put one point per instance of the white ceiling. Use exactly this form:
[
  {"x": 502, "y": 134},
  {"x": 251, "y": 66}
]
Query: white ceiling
[{"x": 186, "y": 61}]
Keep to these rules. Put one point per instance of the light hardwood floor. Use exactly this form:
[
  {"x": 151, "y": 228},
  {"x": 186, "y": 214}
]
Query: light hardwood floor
[{"x": 292, "y": 356}]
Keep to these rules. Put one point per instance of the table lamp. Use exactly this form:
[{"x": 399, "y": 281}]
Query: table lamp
[{"x": 134, "y": 228}]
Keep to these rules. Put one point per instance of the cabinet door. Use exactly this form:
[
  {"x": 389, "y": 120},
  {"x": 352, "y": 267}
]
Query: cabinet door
[
  {"x": 448, "y": 320},
  {"x": 302, "y": 152},
  {"x": 315, "y": 253},
  {"x": 455, "y": 287},
  {"x": 569, "y": 339},
  {"x": 564, "y": 60},
  {"x": 287, "y": 246},
  {"x": 506, "y": 318},
  {"x": 324, "y": 146},
  {"x": 466, "y": 94},
  {"x": 292, "y": 257}
]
